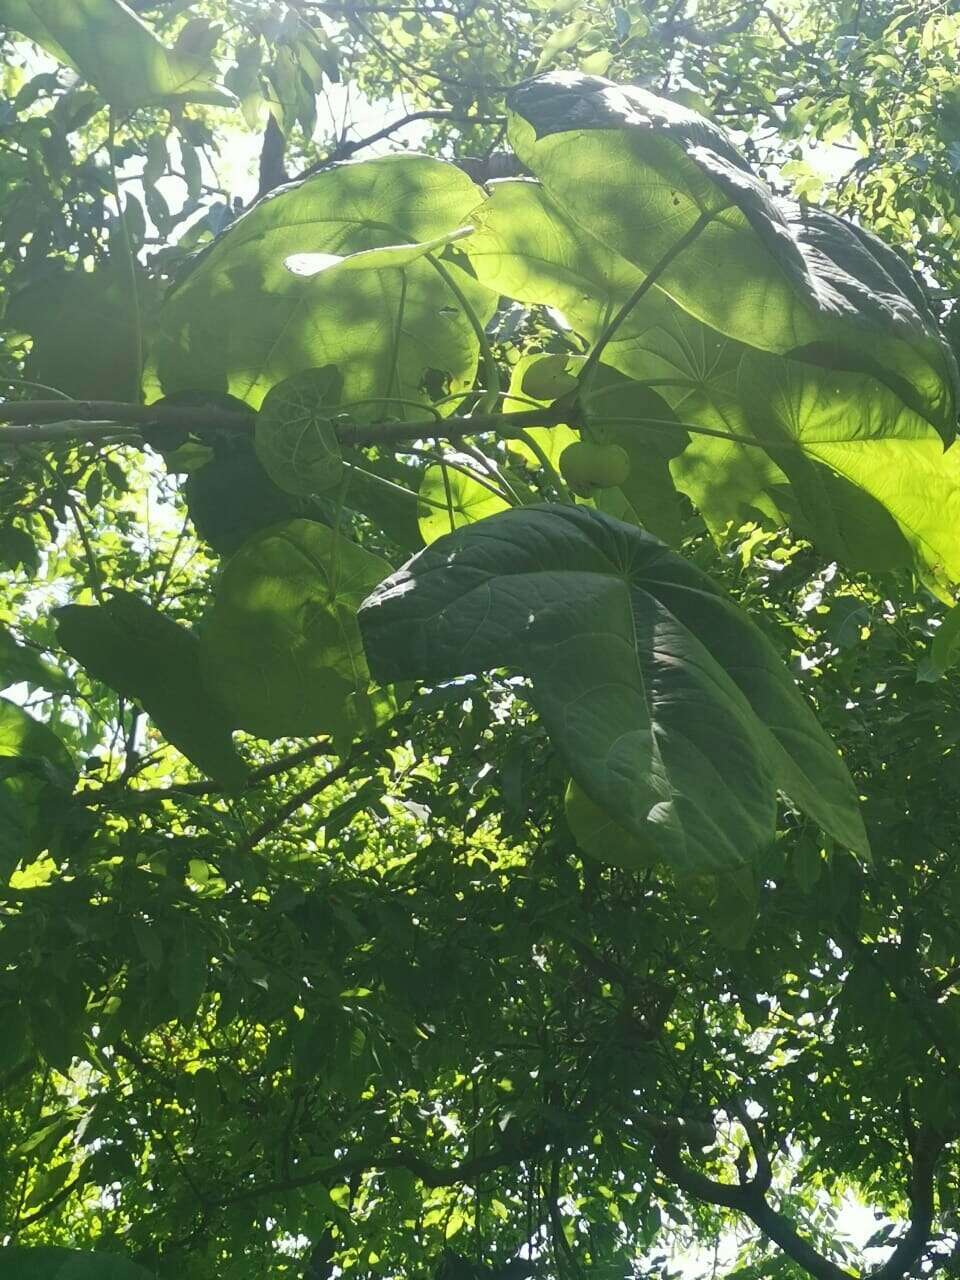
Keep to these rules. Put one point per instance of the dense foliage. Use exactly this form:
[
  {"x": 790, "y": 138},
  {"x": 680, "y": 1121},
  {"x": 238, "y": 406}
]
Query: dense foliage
[{"x": 479, "y": 541}]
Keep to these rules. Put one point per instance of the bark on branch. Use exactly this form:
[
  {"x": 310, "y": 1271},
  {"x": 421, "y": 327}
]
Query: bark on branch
[{"x": 749, "y": 1198}]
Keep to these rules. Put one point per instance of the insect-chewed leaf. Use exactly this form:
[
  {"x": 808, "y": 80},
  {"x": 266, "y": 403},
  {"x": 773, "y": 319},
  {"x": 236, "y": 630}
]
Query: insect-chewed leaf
[
  {"x": 295, "y": 437},
  {"x": 281, "y": 646},
  {"x": 245, "y": 319},
  {"x": 670, "y": 709},
  {"x": 155, "y": 662}
]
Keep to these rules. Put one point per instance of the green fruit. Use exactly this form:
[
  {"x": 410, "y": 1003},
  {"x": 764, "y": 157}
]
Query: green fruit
[{"x": 586, "y": 466}]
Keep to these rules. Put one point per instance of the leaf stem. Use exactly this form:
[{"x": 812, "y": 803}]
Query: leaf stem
[
  {"x": 665, "y": 424},
  {"x": 491, "y": 468},
  {"x": 540, "y": 454},
  {"x": 130, "y": 263},
  {"x": 444, "y": 461},
  {"x": 586, "y": 374},
  {"x": 96, "y": 582},
  {"x": 491, "y": 373}
]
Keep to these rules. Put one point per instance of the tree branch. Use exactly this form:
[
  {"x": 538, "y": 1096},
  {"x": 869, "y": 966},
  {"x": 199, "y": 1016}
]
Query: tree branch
[
  {"x": 104, "y": 414},
  {"x": 926, "y": 1148},
  {"x": 747, "y": 1198},
  {"x": 286, "y": 810},
  {"x": 89, "y": 419},
  {"x": 705, "y": 37},
  {"x": 346, "y": 148},
  {"x": 432, "y": 1175},
  {"x": 108, "y": 796}
]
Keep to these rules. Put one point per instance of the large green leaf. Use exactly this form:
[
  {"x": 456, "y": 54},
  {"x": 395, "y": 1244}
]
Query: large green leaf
[
  {"x": 529, "y": 249},
  {"x": 156, "y": 663},
  {"x": 639, "y": 172},
  {"x": 697, "y": 371},
  {"x": 116, "y": 52},
  {"x": 36, "y": 772},
  {"x": 47, "y": 1262},
  {"x": 244, "y": 320},
  {"x": 79, "y": 323},
  {"x": 849, "y": 499},
  {"x": 671, "y": 710},
  {"x": 869, "y": 477},
  {"x": 281, "y": 646}
]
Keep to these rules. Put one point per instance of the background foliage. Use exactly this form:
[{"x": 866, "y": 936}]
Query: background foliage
[{"x": 369, "y": 984}]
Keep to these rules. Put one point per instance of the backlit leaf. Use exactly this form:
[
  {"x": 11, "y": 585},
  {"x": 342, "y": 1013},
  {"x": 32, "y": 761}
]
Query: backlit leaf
[
  {"x": 116, "y": 52},
  {"x": 295, "y": 437},
  {"x": 448, "y": 502},
  {"x": 281, "y": 646},
  {"x": 243, "y": 321}
]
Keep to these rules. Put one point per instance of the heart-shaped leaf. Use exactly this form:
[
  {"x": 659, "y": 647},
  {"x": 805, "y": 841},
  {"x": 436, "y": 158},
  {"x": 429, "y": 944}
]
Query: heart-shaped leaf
[
  {"x": 295, "y": 437},
  {"x": 670, "y": 709}
]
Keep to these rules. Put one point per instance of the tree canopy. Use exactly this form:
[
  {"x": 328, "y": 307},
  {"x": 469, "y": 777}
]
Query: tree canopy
[{"x": 479, "y": 548}]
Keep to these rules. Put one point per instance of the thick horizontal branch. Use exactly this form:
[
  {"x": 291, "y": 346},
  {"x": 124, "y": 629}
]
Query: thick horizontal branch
[
  {"x": 91, "y": 419},
  {"x": 99, "y": 419},
  {"x": 103, "y": 413},
  {"x": 465, "y": 1172}
]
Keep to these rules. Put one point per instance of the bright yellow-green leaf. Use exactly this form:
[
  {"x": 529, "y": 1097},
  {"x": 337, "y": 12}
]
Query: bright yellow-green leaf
[
  {"x": 115, "y": 51},
  {"x": 449, "y": 503}
]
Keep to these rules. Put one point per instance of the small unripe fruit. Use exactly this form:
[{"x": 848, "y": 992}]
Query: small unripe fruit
[{"x": 586, "y": 466}]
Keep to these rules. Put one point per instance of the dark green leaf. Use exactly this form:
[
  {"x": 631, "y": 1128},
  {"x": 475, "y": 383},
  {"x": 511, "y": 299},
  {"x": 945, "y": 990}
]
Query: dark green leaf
[
  {"x": 156, "y": 663},
  {"x": 671, "y": 710},
  {"x": 80, "y": 325}
]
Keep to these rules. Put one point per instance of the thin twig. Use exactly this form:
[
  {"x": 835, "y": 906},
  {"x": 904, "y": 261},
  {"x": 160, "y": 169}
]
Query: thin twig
[{"x": 269, "y": 825}]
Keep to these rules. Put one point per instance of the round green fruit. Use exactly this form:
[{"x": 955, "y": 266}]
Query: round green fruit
[{"x": 586, "y": 466}]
